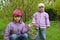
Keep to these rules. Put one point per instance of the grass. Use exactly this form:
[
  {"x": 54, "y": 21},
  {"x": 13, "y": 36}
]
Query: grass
[
  {"x": 3, "y": 23},
  {"x": 52, "y": 33}
]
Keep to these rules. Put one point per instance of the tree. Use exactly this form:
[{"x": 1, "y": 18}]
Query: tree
[
  {"x": 57, "y": 6},
  {"x": 57, "y": 11}
]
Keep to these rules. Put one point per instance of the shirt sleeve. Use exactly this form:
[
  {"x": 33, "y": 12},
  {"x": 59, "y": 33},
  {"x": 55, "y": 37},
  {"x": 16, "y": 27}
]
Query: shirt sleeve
[
  {"x": 33, "y": 19},
  {"x": 7, "y": 33},
  {"x": 47, "y": 22},
  {"x": 25, "y": 28}
]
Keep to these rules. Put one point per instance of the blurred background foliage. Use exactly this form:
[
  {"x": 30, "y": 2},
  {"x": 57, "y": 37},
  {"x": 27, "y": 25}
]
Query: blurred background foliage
[{"x": 28, "y": 8}]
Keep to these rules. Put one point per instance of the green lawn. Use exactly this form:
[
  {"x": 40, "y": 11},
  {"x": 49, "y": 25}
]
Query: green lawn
[{"x": 52, "y": 33}]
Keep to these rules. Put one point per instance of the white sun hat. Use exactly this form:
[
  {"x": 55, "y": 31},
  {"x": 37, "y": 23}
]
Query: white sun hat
[{"x": 41, "y": 4}]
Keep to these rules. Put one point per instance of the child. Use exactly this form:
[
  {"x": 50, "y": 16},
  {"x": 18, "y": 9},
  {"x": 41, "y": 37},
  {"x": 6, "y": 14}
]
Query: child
[
  {"x": 41, "y": 21},
  {"x": 16, "y": 30}
]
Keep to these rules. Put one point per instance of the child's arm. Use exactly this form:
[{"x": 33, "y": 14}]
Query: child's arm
[
  {"x": 25, "y": 28},
  {"x": 7, "y": 33},
  {"x": 34, "y": 20},
  {"x": 47, "y": 21}
]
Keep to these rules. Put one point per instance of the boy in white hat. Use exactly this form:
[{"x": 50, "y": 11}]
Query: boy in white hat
[{"x": 41, "y": 21}]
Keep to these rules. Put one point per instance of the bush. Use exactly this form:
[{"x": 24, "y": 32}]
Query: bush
[
  {"x": 50, "y": 10},
  {"x": 57, "y": 9},
  {"x": 27, "y": 7}
]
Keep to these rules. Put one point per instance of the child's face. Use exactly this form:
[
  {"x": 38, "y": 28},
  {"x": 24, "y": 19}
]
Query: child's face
[
  {"x": 17, "y": 18},
  {"x": 41, "y": 9}
]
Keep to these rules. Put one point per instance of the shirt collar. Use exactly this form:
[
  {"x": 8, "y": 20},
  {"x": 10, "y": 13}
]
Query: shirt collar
[
  {"x": 40, "y": 12},
  {"x": 17, "y": 22}
]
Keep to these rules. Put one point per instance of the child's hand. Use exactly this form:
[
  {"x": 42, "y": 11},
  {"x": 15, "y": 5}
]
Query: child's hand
[
  {"x": 47, "y": 27},
  {"x": 30, "y": 25}
]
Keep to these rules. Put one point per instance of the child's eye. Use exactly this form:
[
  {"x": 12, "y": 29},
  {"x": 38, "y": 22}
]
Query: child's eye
[{"x": 41, "y": 7}]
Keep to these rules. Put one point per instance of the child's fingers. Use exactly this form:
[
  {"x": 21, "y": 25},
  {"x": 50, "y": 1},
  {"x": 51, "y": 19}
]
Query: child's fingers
[{"x": 30, "y": 25}]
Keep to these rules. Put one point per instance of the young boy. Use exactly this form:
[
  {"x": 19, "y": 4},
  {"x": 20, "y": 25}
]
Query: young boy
[
  {"x": 16, "y": 29},
  {"x": 41, "y": 21}
]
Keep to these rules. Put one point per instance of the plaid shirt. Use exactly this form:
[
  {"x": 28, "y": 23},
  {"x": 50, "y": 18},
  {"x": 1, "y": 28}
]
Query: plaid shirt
[
  {"x": 41, "y": 19},
  {"x": 15, "y": 28}
]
